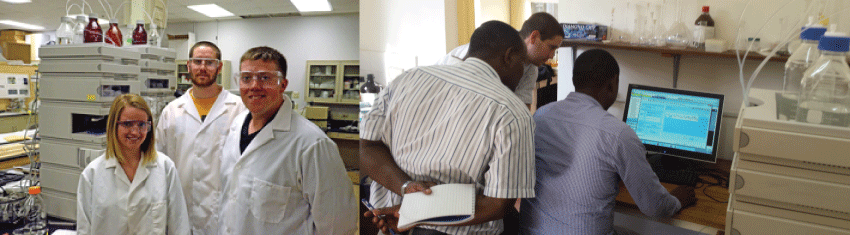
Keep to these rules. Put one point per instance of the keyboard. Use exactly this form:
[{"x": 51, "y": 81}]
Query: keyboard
[{"x": 678, "y": 176}]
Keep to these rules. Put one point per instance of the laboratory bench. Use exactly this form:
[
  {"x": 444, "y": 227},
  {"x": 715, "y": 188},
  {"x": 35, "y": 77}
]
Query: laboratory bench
[{"x": 709, "y": 211}]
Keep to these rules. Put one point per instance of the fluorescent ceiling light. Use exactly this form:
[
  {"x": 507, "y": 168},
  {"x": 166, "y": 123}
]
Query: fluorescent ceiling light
[
  {"x": 18, "y": 1},
  {"x": 21, "y": 25},
  {"x": 211, "y": 10},
  {"x": 311, "y": 5}
]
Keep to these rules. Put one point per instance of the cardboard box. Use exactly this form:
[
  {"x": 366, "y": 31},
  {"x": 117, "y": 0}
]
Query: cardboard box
[
  {"x": 316, "y": 112},
  {"x": 14, "y": 38},
  {"x": 12, "y": 32},
  {"x": 16, "y": 51},
  {"x": 592, "y": 32}
]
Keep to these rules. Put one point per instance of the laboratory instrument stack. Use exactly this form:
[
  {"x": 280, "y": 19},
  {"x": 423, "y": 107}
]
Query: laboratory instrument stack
[
  {"x": 787, "y": 177},
  {"x": 78, "y": 84},
  {"x": 158, "y": 77}
]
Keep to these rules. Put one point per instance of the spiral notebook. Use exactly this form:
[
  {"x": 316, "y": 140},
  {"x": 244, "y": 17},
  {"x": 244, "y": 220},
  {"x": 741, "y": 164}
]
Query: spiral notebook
[{"x": 448, "y": 204}]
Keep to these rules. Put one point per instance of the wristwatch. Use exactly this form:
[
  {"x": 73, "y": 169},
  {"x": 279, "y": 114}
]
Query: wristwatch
[{"x": 404, "y": 186}]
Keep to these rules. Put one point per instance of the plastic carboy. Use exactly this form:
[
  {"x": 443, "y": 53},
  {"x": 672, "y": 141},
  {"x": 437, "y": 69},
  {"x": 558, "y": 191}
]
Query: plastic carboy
[
  {"x": 803, "y": 57},
  {"x": 825, "y": 88},
  {"x": 36, "y": 216}
]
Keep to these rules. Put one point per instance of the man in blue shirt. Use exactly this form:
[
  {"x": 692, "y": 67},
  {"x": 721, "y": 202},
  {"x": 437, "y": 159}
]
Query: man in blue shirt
[{"x": 582, "y": 153}]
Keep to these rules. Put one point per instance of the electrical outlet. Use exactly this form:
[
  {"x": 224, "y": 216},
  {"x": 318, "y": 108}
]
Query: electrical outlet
[{"x": 295, "y": 95}]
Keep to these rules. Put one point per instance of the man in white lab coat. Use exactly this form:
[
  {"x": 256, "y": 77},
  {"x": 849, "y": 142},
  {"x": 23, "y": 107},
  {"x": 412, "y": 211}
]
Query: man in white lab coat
[
  {"x": 281, "y": 174},
  {"x": 192, "y": 130},
  {"x": 542, "y": 35}
]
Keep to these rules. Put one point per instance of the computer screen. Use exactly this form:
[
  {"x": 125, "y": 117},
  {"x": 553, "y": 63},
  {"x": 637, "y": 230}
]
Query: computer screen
[{"x": 675, "y": 122}]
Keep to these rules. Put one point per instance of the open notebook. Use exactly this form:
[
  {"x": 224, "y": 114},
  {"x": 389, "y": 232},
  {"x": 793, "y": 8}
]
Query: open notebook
[{"x": 448, "y": 204}]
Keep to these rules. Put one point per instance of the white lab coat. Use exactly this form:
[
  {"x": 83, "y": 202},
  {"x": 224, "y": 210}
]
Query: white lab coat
[
  {"x": 108, "y": 203},
  {"x": 290, "y": 180},
  {"x": 195, "y": 147}
]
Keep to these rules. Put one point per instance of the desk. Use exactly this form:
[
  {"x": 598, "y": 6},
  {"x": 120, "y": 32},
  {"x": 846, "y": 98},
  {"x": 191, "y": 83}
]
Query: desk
[{"x": 706, "y": 211}]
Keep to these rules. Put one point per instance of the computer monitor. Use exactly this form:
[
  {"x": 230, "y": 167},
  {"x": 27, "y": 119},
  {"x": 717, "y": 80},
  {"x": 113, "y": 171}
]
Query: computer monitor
[{"x": 675, "y": 122}]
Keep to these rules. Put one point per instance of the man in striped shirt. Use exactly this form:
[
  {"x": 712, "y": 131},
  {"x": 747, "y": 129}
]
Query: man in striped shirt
[
  {"x": 542, "y": 35},
  {"x": 582, "y": 152},
  {"x": 454, "y": 124}
]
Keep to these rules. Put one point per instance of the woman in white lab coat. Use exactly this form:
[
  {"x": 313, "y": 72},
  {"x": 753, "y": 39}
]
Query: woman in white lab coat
[{"x": 131, "y": 189}]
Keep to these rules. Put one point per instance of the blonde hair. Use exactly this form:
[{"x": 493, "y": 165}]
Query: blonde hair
[{"x": 112, "y": 146}]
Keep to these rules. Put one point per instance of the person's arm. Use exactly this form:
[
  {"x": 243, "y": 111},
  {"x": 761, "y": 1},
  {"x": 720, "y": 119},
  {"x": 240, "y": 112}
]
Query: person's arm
[
  {"x": 328, "y": 189},
  {"x": 84, "y": 204},
  {"x": 377, "y": 162},
  {"x": 178, "y": 215},
  {"x": 649, "y": 195}
]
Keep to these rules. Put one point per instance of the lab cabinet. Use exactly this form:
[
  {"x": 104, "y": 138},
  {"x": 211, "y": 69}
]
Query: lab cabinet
[
  {"x": 60, "y": 204},
  {"x": 787, "y": 177},
  {"x": 333, "y": 81}
]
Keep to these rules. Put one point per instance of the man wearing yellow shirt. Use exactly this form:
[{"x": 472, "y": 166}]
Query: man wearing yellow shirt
[{"x": 191, "y": 131}]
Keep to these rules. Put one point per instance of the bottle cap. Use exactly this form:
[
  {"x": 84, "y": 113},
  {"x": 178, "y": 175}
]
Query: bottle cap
[
  {"x": 92, "y": 15},
  {"x": 835, "y": 42},
  {"x": 812, "y": 32},
  {"x": 67, "y": 19},
  {"x": 153, "y": 26},
  {"x": 113, "y": 21},
  {"x": 140, "y": 22},
  {"x": 35, "y": 189},
  {"x": 704, "y": 8}
]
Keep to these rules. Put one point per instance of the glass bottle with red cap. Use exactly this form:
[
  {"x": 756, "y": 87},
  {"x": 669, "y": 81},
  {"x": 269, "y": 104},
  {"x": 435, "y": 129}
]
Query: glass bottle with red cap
[{"x": 704, "y": 28}]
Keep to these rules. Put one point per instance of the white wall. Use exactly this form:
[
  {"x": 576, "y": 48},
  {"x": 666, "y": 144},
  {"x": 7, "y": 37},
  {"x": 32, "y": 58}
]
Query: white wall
[
  {"x": 399, "y": 35},
  {"x": 487, "y": 10},
  {"x": 299, "y": 39},
  {"x": 708, "y": 74}
]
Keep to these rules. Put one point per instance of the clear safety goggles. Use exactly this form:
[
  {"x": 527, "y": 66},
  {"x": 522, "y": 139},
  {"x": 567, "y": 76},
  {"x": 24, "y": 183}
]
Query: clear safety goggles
[{"x": 263, "y": 78}]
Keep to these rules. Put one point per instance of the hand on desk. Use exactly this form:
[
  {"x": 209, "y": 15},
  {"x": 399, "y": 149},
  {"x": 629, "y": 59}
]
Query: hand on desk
[
  {"x": 686, "y": 195},
  {"x": 385, "y": 218}
]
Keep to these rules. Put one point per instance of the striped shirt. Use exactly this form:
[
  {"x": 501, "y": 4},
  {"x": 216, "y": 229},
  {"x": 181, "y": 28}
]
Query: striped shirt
[
  {"x": 582, "y": 154},
  {"x": 526, "y": 85},
  {"x": 455, "y": 124}
]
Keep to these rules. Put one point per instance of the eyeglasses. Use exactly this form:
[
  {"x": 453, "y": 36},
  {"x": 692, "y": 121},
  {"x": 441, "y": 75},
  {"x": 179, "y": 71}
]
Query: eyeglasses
[
  {"x": 264, "y": 78},
  {"x": 143, "y": 126},
  {"x": 205, "y": 62}
]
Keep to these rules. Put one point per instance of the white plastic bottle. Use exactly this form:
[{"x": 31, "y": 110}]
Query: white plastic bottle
[
  {"x": 65, "y": 32},
  {"x": 80, "y": 28},
  {"x": 153, "y": 37},
  {"x": 825, "y": 88},
  {"x": 803, "y": 57}
]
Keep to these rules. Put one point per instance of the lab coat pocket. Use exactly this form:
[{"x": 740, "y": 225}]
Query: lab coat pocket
[
  {"x": 158, "y": 215},
  {"x": 268, "y": 201}
]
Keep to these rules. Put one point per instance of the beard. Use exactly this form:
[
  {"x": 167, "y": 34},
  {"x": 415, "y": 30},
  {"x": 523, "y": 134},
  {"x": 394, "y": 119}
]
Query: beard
[{"x": 202, "y": 84}]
